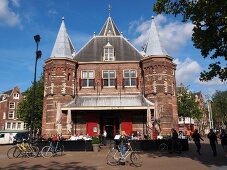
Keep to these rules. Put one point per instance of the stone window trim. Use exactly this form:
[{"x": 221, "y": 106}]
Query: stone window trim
[
  {"x": 8, "y": 125},
  {"x": 109, "y": 78},
  {"x": 87, "y": 79},
  {"x": 11, "y": 105}
]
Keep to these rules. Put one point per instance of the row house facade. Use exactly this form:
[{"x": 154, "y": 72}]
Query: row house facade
[
  {"x": 9, "y": 101},
  {"x": 109, "y": 85}
]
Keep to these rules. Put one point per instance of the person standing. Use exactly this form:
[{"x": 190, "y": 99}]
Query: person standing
[
  {"x": 104, "y": 137},
  {"x": 213, "y": 140},
  {"x": 174, "y": 139},
  {"x": 223, "y": 137},
  {"x": 196, "y": 137}
]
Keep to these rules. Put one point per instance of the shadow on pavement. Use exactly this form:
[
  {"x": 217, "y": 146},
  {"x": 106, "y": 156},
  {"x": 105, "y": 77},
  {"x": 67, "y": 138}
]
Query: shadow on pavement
[
  {"x": 205, "y": 158},
  {"x": 48, "y": 166}
]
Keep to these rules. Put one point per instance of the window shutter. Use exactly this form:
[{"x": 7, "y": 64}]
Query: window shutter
[
  {"x": 123, "y": 83},
  {"x": 80, "y": 83},
  {"x": 94, "y": 83},
  {"x": 102, "y": 83},
  {"x": 137, "y": 82},
  {"x": 115, "y": 83}
]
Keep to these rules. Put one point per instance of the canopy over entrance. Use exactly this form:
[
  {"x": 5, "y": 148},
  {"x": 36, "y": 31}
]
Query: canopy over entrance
[{"x": 123, "y": 102}]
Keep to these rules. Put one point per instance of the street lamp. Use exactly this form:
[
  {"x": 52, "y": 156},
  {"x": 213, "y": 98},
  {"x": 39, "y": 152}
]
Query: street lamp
[{"x": 38, "y": 55}]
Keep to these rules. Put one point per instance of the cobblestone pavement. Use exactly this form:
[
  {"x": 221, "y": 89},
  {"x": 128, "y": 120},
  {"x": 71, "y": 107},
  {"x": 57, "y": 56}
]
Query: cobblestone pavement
[{"x": 94, "y": 161}]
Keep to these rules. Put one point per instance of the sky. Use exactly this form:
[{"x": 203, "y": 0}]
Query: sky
[{"x": 20, "y": 20}]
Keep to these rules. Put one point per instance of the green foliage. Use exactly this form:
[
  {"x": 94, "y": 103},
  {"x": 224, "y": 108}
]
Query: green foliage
[
  {"x": 95, "y": 140},
  {"x": 187, "y": 105},
  {"x": 219, "y": 108},
  {"x": 25, "y": 107},
  {"x": 209, "y": 33}
]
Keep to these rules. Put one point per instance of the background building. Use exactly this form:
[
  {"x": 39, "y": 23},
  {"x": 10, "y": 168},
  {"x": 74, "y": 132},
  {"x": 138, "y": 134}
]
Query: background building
[
  {"x": 9, "y": 101},
  {"x": 109, "y": 85}
]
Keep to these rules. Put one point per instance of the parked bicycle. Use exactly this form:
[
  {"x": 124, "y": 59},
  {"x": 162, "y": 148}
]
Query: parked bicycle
[
  {"x": 51, "y": 150},
  {"x": 23, "y": 149},
  {"x": 115, "y": 157}
]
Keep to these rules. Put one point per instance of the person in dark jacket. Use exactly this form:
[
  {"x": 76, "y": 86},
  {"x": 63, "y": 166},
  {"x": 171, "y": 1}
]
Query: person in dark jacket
[
  {"x": 196, "y": 137},
  {"x": 174, "y": 139},
  {"x": 213, "y": 140},
  {"x": 223, "y": 137}
]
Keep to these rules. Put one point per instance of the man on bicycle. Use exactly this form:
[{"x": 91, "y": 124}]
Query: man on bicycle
[{"x": 123, "y": 143}]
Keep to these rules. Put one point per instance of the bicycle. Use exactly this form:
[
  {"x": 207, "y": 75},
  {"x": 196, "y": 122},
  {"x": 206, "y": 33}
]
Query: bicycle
[
  {"x": 23, "y": 149},
  {"x": 51, "y": 150},
  {"x": 114, "y": 157}
]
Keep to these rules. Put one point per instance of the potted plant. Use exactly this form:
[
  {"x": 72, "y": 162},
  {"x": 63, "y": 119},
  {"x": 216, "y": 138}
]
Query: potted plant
[{"x": 95, "y": 143}]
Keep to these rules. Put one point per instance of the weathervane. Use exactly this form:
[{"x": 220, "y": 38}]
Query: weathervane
[{"x": 109, "y": 8}]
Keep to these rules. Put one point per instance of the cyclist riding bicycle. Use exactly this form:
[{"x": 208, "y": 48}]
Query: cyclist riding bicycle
[{"x": 123, "y": 143}]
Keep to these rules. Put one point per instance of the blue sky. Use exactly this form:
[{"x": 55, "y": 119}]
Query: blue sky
[{"x": 20, "y": 20}]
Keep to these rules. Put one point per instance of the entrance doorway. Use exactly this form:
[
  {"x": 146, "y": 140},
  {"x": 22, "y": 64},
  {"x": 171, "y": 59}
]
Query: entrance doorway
[{"x": 110, "y": 123}]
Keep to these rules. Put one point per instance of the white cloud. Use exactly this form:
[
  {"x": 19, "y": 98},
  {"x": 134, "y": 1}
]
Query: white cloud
[
  {"x": 16, "y": 3},
  {"x": 52, "y": 12},
  {"x": 7, "y": 16},
  {"x": 173, "y": 35},
  {"x": 214, "y": 82},
  {"x": 187, "y": 70}
]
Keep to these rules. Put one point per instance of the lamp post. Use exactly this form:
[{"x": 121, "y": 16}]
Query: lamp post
[{"x": 38, "y": 55}]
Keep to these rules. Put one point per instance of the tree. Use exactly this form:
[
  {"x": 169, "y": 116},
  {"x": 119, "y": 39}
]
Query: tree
[
  {"x": 187, "y": 105},
  {"x": 209, "y": 33},
  {"x": 219, "y": 108},
  {"x": 25, "y": 107}
]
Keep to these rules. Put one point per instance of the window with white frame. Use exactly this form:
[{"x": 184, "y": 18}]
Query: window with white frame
[
  {"x": 12, "y": 105},
  {"x": 8, "y": 125},
  {"x": 130, "y": 77},
  {"x": 109, "y": 78},
  {"x": 88, "y": 78},
  {"x": 11, "y": 114},
  {"x": 108, "y": 52},
  {"x": 16, "y": 95},
  {"x": 14, "y": 125},
  {"x": 18, "y": 125}
]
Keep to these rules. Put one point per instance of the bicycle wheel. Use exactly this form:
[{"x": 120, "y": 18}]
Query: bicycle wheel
[
  {"x": 46, "y": 152},
  {"x": 113, "y": 157},
  {"x": 32, "y": 151},
  {"x": 163, "y": 147},
  {"x": 10, "y": 152},
  {"x": 136, "y": 159},
  {"x": 17, "y": 153},
  {"x": 60, "y": 150}
]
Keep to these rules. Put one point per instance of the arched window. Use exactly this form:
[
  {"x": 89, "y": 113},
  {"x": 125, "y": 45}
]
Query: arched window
[{"x": 69, "y": 77}]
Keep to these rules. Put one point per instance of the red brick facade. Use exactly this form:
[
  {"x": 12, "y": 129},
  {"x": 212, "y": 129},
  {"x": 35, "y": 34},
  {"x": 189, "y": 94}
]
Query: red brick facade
[{"x": 9, "y": 120}]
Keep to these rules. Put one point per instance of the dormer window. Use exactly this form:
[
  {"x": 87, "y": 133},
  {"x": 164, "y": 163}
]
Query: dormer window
[
  {"x": 16, "y": 96},
  {"x": 108, "y": 52}
]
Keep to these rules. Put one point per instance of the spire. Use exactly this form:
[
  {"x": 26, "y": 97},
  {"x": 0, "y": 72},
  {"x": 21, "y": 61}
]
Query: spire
[
  {"x": 109, "y": 28},
  {"x": 154, "y": 46},
  {"x": 63, "y": 46}
]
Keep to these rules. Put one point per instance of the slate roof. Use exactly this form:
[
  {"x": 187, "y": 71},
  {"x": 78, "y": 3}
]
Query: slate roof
[{"x": 94, "y": 49}]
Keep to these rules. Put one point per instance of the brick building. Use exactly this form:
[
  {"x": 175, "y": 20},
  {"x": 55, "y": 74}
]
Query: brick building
[
  {"x": 9, "y": 101},
  {"x": 109, "y": 85}
]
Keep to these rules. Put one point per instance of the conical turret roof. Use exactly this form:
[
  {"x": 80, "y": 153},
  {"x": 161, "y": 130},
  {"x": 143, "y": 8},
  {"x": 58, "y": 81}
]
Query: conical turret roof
[
  {"x": 154, "y": 46},
  {"x": 63, "y": 46}
]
